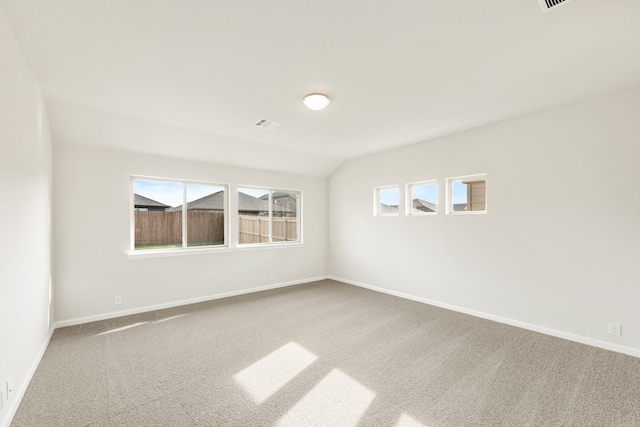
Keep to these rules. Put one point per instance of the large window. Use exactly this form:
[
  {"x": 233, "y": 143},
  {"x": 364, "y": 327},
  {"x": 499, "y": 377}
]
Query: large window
[
  {"x": 467, "y": 194},
  {"x": 170, "y": 214},
  {"x": 268, "y": 216}
]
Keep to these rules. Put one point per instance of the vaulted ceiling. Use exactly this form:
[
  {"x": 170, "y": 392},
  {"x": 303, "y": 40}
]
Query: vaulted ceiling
[{"x": 190, "y": 78}]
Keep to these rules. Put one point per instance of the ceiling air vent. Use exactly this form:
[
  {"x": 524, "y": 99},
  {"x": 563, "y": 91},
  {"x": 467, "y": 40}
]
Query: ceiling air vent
[
  {"x": 267, "y": 124},
  {"x": 547, "y": 5}
]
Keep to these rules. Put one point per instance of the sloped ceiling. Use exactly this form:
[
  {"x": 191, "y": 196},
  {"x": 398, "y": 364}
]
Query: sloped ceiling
[{"x": 189, "y": 79}]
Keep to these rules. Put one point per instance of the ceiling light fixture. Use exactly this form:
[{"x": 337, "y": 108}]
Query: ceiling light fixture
[{"x": 316, "y": 101}]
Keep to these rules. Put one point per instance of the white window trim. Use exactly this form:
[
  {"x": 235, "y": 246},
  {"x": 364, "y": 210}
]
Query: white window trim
[
  {"x": 261, "y": 246},
  {"x": 270, "y": 243},
  {"x": 408, "y": 209},
  {"x": 159, "y": 253},
  {"x": 376, "y": 200},
  {"x": 184, "y": 250},
  {"x": 469, "y": 178}
]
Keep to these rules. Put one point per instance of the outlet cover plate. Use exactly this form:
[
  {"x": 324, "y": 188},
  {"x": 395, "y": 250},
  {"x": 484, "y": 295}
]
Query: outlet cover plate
[{"x": 614, "y": 329}]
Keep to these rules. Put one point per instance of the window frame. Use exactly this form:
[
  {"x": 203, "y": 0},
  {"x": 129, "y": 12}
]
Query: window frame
[
  {"x": 409, "y": 198},
  {"x": 468, "y": 178},
  {"x": 271, "y": 243},
  {"x": 185, "y": 249},
  {"x": 376, "y": 200}
]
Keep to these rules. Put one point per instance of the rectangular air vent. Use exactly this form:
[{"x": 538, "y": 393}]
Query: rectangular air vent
[
  {"x": 547, "y": 5},
  {"x": 267, "y": 124}
]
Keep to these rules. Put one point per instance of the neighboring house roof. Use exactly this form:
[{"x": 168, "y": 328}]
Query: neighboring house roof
[
  {"x": 215, "y": 201},
  {"x": 141, "y": 201},
  {"x": 282, "y": 202},
  {"x": 459, "y": 207},
  {"x": 423, "y": 205},
  {"x": 276, "y": 195},
  {"x": 388, "y": 209},
  {"x": 247, "y": 203}
]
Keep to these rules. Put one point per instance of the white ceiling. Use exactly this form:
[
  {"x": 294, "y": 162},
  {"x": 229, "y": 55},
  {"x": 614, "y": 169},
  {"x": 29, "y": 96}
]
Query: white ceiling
[{"x": 190, "y": 78}]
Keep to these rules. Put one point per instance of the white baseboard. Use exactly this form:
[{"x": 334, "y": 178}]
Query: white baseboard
[
  {"x": 113, "y": 314},
  {"x": 524, "y": 325},
  {"x": 22, "y": 388}
]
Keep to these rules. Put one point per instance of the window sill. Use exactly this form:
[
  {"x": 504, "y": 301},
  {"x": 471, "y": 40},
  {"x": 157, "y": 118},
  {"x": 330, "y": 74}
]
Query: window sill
[
  {"x": 261, "y": 246},
  {"x": 467, "y": 213},
  {"x": 180, "y": 252}
]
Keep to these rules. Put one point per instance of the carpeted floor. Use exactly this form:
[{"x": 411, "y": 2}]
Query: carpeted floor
[{"x": 324, "y": 353}]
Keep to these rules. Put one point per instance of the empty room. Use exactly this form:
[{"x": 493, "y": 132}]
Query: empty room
[{"x": 392, "y": 213}]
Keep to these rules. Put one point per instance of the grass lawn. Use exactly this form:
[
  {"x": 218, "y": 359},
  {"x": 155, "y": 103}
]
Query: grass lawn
[{"x": 206, "y": 244}]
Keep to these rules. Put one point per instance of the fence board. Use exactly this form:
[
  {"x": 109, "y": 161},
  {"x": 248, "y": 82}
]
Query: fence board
[
  {"x": 165, "y": 228},
  {"x": 158, "y": 228},
  {"x": 206, "y": 227},
  {"x": 255, "y": 229}
]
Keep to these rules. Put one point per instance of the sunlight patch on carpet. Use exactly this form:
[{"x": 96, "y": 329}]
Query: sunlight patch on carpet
[
  {"x": 122, "y": 328},
  {"x": 337, "y": 400},
  {"x": 273, "y": 371},
  {"x": 169, "y": 318},
  {"x": 408, "y": 421}
]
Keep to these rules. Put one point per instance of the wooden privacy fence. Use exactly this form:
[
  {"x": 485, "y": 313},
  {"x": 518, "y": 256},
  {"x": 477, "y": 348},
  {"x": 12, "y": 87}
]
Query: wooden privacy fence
[
  {"x": 203, "y": 227},
  {"x": 165, "y": 228},
  {"x": 255, "y": 229}
]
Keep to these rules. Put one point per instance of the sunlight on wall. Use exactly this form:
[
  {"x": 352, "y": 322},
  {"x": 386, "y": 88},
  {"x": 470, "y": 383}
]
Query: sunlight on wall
[
  {"x": 273, "y": 371},
  {"x": 337, "y": 400},
  {"x": 407, "y": 421}
]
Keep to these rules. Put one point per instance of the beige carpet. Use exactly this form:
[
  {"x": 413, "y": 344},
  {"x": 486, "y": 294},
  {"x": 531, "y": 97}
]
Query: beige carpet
[{"x": 324, "y": 354}]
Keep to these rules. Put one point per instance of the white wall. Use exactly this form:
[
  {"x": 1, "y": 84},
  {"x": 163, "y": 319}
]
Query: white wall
[
  {"x": 25, "y": 234},
  {"x": 559, "y": 248},
  {"x": 91, "y": 205}
]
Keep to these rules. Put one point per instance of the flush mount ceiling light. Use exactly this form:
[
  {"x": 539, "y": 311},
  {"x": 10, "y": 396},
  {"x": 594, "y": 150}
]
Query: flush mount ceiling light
[{"x": 316, "y": 101}]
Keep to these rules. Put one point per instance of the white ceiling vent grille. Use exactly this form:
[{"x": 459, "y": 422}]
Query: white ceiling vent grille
[
  {"x": 547, "y": 5},
  {"x": 267, "y": 124}
]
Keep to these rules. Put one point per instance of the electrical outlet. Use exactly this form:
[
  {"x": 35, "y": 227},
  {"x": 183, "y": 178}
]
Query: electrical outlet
[
  {"x": 386, "y": 280},
  {"x": 272, "y": 276},
  {"x": 118, "y": 299},
  {"x": 9, "y": 389},
  {"x": 615, "y": 329}
]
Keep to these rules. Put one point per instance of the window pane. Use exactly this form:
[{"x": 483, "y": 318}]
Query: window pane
[
  {"x": 469, "y": 196},
  {"x": 253, "y": 215},
  {"x": 424, "y": 198},
  {"x": 388, "y": 201},
  {"x": 157, "y": 224},
  {"x": 459, "y": 192},
  {"x": 205, "y": 215},
  {"x": 284, "y": 209}
]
